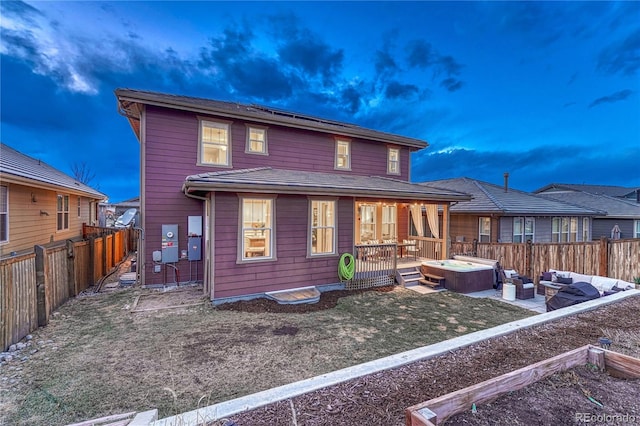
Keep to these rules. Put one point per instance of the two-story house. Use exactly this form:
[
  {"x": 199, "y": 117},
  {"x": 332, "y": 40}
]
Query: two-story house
[
  {"x": 250, "y": 199},
  {"x": 40, "y": 204}
]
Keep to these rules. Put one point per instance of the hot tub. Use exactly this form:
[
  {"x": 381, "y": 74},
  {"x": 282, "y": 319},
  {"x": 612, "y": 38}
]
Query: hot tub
[{"x": 461, "y": 276}]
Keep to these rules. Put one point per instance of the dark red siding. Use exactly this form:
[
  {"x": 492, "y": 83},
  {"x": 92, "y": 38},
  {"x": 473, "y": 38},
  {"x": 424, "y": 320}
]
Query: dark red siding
[
  {"x": 292, "y": 268},
  {"x": 170, "y": 154}
]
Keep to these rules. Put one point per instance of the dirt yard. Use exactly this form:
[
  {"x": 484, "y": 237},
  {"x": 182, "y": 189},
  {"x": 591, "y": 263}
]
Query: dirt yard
[
  {"x": 134, "y": 350},
  {"x": 381, "y": 398}
]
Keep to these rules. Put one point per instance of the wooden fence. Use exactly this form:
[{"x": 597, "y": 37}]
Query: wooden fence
[
  {"x": 610, "y": 258},
  {"x": 34, "y": 285}
]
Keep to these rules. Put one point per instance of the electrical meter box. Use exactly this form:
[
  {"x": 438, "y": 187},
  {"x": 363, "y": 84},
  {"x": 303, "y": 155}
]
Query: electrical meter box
[
  {"x": 195, "y": 226},
  {"x": 195, "y": 248},
  {"x": 169, "y": 243}
]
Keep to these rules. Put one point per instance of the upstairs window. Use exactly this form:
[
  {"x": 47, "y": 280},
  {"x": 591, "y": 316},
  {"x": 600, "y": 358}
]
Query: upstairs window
[
  {"x": 256, "y": 140},
  {"x": 63, "y": 212},
  {"x": 4, "y": 214},
  {"x": 484, "y": 226},
  {"x": 393, "y": 161},
  {"x": 523, "y": 229},
  {"x": 564, "y": 229},
  {"x": 323, "y": 227},
  {"x": 343, "y": 154},
  {"x": 214, "y": 143}
]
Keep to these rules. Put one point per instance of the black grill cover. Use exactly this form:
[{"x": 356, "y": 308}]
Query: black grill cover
[{"x": 572, "y": 294}]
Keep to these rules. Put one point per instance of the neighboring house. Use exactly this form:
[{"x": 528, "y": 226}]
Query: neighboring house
[
  {"x": 277, "y": 197},
  {"x": 40, "y": 204},
  {"x": 620, "y": 217},
  {"x": 627, "y": 193},
  {"x": 502, "y": 214},
  {"x": 109, "y": 212}
]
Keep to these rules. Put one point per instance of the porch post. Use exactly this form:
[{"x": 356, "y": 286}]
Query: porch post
[{"x": 445, "y": 231}]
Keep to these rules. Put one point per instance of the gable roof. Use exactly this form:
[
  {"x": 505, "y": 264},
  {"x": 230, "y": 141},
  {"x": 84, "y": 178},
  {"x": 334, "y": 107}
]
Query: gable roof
[
  {"x": 613, "y": 207},
  {"x": 19, "y": 168},
  {"x": 493, "y": 199},
  {"x": 130, "y": 102},
  {"x": 270, "y": 180},
  {"x": 610, "y": 190}
]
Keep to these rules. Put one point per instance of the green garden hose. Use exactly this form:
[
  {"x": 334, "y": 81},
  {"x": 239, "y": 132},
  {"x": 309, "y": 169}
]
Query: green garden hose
[{"x": 346, "y": 270}]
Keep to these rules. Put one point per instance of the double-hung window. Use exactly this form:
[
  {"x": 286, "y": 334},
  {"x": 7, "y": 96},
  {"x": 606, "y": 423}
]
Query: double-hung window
[
  {"x": 4, "y": 214},
  {"x": 63, "y": 212},
  {"x": 343, "y": 154},
  {"x": 523, "y": 229},
  {"x": 564, "y": 229},
  {"x": 256, "y": 140},
  {"x": 484, "y": 226},
  {"x": 257, "y": 228},
  {"x": 215, "y": 147},
  {"x": 393, "y": 161},
  {"x": 636, "y": 229},
  {"x": 389, "y": 222},
  {"x": 323, "y": 227},
  {"x": 367, "y": 222}
]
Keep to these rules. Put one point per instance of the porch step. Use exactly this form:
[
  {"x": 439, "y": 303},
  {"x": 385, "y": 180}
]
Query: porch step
[
  {"x": 295, "y": 295},
  {"x": 433, "y": 281}
]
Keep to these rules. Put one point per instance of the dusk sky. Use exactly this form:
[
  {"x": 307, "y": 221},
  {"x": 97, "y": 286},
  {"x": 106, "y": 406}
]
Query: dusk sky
[{"x": 547, "y": 91}]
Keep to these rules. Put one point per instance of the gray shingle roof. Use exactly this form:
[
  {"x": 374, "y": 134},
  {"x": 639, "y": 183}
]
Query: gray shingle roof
[
  {"x": 27, "y": 169},
  {"x": 614, "y": 207},
  {"x": 490, "y": 198},
  {"x": 259, "y": 114},
  {"x": 610, "y": 190},
  {"x": 277, "y": 181}
]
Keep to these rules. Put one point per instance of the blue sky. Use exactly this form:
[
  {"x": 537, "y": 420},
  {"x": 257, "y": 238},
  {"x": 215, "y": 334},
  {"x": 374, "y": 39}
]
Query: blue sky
[{"x": 547, "y": 91}]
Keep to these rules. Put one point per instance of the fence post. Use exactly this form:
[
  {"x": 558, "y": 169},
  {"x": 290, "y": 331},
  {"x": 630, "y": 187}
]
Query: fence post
[
  {"x": 103, "y": 272},
  {"x": 41, "y": 291},
  {"x": 71, "y": 272},
  {"x": 92, "y": 260},
  {"x": 603, "y": 267},
  {"x": 529, "y": 258}
]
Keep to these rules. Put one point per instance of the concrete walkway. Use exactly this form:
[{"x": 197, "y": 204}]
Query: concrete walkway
[{"x": 227, "y": 409}]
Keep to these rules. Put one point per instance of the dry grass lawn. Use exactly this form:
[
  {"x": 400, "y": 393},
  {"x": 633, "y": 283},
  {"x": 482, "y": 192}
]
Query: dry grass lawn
[{"x": 97, "y": 358}]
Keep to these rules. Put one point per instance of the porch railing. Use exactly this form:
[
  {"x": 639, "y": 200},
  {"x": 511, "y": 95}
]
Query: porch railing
[
  {"x": 429, "y": 248},
  {"x": 375, "y": 266}
]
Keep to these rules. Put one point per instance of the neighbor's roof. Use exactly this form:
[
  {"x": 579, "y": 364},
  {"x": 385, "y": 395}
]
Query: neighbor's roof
[
  {"x": 277, "y": 181},
  {"x": 614, "y": 207},
  {"x": 493, "y": 199},
  {"x": 18, "y": 168},
  {"x": 612, "y": 191},
  {"x": 129, "y": 101}
]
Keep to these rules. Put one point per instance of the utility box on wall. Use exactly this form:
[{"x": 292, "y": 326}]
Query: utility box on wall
[
  {"x": 169, "y": 243},
  {"x": 195, "y": 248}
]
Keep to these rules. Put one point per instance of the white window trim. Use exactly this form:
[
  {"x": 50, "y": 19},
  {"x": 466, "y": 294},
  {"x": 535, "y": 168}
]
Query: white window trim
[
  {"x": 636, "y": 228},
  {"x": 7, "y": 215},
  {"x": 389, "y": 171},
  {"x": 393, "y": 208},
  {"x": 63, "y": 212},
  {"x": 241, "y": 258},
  {"x": 375, "y": 220},
  {"x": 480, "y": 233},
  {"x": 335, "y": 162},
  {"x": 524, "y": 236},
  {"x": 585, "y": 229},
  {"x": 310, "y": 227},
  {"x": 79, "y": 207},
  {"x": 220, "y": 125},
  {"x": 570, "y": 220},
  {"x": 247, "y": 148}
]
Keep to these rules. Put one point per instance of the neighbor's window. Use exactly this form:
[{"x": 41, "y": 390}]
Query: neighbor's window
[
  {"x": 636, "y": 229},
  {"x": 79, "y": 207},
  {"x": 367, "y": 222},
  {"x": 63, "y": 212},
  {"x": 393, "y": 161},
  {"x": 564, "y": 229},
  {"x": 523, "y": 229},
  {"x": 256, "y": 140},
  {"x": 323, "y": 227},
  {"x": 257, "y": 228},
  {"x": 389, "y": 223},
  {"x": 585, "y": 229},
  {"x": 484, "y": 226},
  {"x": 343, "y": 154},
  {"x": 214, "y": 143},
  {"x": 4, "y": 214}
]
